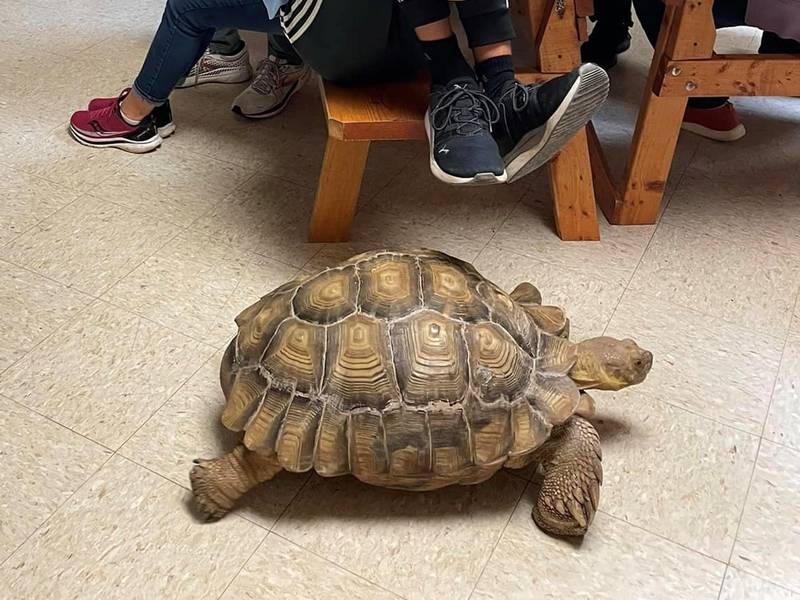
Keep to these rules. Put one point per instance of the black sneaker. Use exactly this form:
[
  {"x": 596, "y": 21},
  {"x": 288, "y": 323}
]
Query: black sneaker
[
  {"x": 606, "y": 42},
  {"x": 536, "y": 121},
  {"x": 459, "y": 126}
]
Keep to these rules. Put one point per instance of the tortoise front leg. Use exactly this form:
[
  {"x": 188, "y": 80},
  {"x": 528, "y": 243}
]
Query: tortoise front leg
[
  {"x": 218, "y": 483},
  {"x": 573, "y": 474}
]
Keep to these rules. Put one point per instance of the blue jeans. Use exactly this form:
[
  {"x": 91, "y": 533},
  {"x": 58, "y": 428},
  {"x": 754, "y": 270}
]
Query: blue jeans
[{"x": 186, "y": 29}]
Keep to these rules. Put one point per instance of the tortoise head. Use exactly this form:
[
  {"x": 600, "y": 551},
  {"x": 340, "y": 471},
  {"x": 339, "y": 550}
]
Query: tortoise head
[{"x": 606, "y": 363}]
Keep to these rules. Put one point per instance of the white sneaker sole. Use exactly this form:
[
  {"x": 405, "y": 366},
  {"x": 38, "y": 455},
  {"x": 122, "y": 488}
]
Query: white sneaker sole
[
  {"x": 477, "y": 179},
  {"x": 120, "y": 143},
  {"x": 731, "y": 135},
  {"x": 538, "y": 147},
  {"x": 278, "y": 108},
  {"x": 166, "y": 130}
]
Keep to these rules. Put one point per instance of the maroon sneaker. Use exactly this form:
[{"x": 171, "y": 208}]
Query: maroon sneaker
[
  {"x": 721, "y": 124},
  {"x": 162, "y": 114},
  {"x": 105, "y": 128}
]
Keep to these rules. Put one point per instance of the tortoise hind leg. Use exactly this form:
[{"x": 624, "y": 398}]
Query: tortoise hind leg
[
  {"x": 526, "y": 293},
  {"x": 218, "y": 483},
  {"x": 573, "y": 474}
]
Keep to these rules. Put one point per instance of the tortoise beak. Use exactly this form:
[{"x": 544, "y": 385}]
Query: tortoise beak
[{"x": 643, "y": 364}]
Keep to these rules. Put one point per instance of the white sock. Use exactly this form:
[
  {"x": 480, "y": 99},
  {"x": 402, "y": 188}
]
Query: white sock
[{"x": 128, "y": 120}]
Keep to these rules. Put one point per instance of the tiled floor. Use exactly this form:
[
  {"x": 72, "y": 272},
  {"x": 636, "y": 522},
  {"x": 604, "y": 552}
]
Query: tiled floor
[{"x": 120, "y": 276}]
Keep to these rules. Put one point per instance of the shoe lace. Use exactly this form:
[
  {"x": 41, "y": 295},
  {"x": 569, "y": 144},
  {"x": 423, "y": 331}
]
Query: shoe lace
[
  {"x": 519, "y": 94},
  {"x": 269, "y": 76},
  {"x": 198, "y": 67},
  {"x": 464, "y": 111}
]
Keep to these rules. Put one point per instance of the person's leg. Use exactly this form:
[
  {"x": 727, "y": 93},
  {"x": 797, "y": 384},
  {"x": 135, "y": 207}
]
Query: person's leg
[
  {"x": 185, "y": 31},
  {"x": 225, "y": 61},
  {"x": 277, "y": 78},
  {"x": 459, "y": 117},
  {"x": 535, "y": 121},
  {"x": 714, "y": 118},
  {"x": 610, "y": 35},
  {"x": 226, "y": 41},
  {"x": 772, "y": 43}
]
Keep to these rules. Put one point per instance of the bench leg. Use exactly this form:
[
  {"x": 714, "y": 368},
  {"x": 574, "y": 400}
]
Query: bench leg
[
  {"x": 573, "y": 192},
  {"x": 654, "y": 141},
  {"x": 338, "y": 190}
]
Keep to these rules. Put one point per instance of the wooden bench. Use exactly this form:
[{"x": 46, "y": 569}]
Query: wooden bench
[
  {"x": 358, "y": 116},
  {"x": 684, "y": 65}
]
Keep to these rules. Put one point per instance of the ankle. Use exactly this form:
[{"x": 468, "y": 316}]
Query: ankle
[
  {"x": 494, "y": 73},
  {"x": 445, "y": 60},
  {"x": 134, "y": 108}
]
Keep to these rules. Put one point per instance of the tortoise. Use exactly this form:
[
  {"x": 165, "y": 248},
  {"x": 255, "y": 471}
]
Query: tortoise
[{"x": 410, "y": 370}]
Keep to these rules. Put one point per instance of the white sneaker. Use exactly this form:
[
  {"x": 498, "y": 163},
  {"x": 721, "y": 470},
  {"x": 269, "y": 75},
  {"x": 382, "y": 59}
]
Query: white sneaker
[
  {"x": 275, "y": 82},
  {"x": 219, "y": 68}
]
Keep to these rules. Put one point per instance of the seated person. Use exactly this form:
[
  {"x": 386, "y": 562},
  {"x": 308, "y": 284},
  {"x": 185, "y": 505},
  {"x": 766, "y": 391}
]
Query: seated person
[
  {"x": 277, "y": 77},
  {"x": 323, "y": 31},
  {"x": 483, "y": 125},
  {"x": 716, "y": 118}
]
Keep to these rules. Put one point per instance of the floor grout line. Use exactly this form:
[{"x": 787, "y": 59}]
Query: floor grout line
[
  {"x": 337, "y": 565},
  {"x": 499, "y": 537},
  {"x": 55, "y": 512}
]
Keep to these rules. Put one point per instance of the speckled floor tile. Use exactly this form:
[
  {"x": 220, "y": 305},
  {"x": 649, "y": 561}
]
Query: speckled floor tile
[
  {"x": 416, "y": 545},
  {"x": 673, "y": 473},
  {"x": 614, "y": 561},
  {"x": 717, "y": 278},
  {"x": 52, "y": 154},
  {"x": 708, "y": 366},
  {"x": 188, "y": 427},
  {"x": 27, "y": 199},
  {"x": 589, "y": 301},
  {"x": 768, "y": 544},
  {"x": 290, "y": 146},
  {"x": 281, "y": 569},
  {"x": 742, "y": 586},
  {"x": 197, "y": 285},
  {"x": 529, "y": 230},
  {"x": 104, "y": 373},
  {"x": 171, "y": 185},
  {"x": 268, "y": 216},
  {"x": 90, "y": 244},
  {"x": 33, "y": 308},
  {"x": 128, "y": 534},
  {"x": 418, "y": 197},
  {"x": 749, "y": 211},
  {"x": 43, "y": 464},
  {"x": 51, "y": 90},
  {"x": 374, "y": 229},
  {"x": 783, "y": 422}
]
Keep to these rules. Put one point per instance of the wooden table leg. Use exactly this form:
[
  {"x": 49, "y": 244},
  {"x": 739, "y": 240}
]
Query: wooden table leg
[
  {"x": 573, "y": 191},
  {"x": 338, "y": 190},
  {"x": 687, "y": 32},
  {"x": 657, "y": 130}
]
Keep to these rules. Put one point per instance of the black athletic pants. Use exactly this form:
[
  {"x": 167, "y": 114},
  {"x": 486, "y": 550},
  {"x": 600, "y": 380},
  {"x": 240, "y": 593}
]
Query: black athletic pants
[{"x": 485, "y": 21}]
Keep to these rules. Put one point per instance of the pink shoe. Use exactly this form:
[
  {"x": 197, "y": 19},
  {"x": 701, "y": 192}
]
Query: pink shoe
[
  {"x": 721, "y": 124},
  {"x": 162, "y": 114},
  {"x": 105, "y": 128}
]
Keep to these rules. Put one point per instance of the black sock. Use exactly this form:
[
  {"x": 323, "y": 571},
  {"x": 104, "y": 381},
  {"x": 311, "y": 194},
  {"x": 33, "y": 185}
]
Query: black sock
[
  {"x": 445, "y": 60},
  {"x": 494, "y": 72},
  {"x": 235, "y": 50}
]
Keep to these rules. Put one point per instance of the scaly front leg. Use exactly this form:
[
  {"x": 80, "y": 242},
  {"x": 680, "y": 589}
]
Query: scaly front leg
[{"x": 573, "y": 473}]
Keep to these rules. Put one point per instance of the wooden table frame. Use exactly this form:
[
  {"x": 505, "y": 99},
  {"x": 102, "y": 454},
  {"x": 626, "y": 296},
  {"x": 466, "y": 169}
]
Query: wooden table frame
[
  {"x": 358, "y": 116},
  {"x": 684, "y": 65}
]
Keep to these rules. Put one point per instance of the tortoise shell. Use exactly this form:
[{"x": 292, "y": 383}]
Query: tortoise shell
[{"x": 405, "y": 369}]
